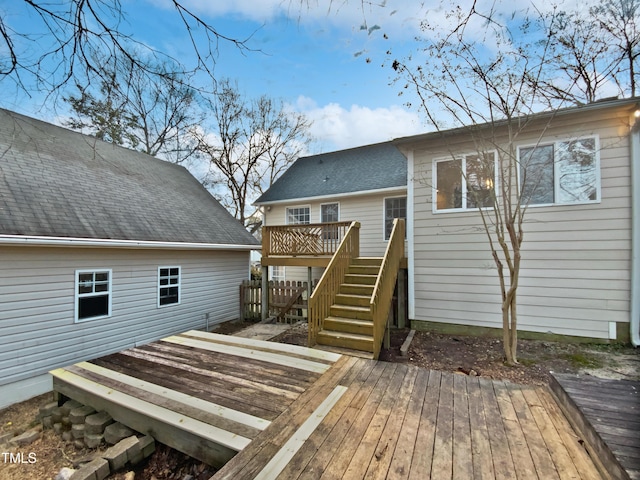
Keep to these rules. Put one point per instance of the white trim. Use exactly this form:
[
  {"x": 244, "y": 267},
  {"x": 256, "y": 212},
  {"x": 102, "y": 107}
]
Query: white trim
[
  {"x": 463, "y": 177},
  {"x": 179, "y": 285},
  {"x": 329, "y": 203},
  {"x": 78, "y": 296},
  {"x": 43, "y": 241},
  {"x": 634, "y": 313},
  {"x": 337, "y": 195},
  {"x": 556, "y": 176},
  {"x": 286, "y": 213},
  {"x": 410, "y": 232}
]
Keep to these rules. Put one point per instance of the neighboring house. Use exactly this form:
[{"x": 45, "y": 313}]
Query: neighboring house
[
  {"x": 366, "y": 184},
  {"x": 101, "y": 249},
  {"x": 580, "y": 273}
]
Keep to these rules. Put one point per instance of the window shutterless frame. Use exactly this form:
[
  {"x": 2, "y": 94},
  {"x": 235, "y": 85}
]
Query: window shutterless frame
[
  {"x": 169, "y": 286},
  {"x": 391, "y": 211},
  {"x": 301, "y": 214},
  {"x": 92, "y": 294}
]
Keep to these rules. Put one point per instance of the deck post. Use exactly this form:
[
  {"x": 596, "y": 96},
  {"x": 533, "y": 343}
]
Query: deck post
[
  {"x": 265, "y": 293},
  {"x": 309, "y": 289},
  {"x": 402, "y": 298}
]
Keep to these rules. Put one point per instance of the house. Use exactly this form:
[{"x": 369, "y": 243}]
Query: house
[
  {"x": 101, "y": 249},
  {"x": 367, "y": 184},
  {"x": 580, "y": 273}
]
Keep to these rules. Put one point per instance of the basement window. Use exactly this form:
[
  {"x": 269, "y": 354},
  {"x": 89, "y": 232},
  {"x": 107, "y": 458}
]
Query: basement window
[{"x": 93, "y": 294}]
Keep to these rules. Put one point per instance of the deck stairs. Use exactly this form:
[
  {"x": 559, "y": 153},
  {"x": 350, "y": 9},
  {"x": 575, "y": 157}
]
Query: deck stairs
[{"x": 350, "y": 325}]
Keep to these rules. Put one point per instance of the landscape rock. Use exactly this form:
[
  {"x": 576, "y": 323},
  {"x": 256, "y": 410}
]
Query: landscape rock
[
  {"x": 47, "y": 409},
  {"x": 69, "y": 405},
  {"x": 78, "y": 431},
  {"x": 57, "y": 427},
  {"x": 129, "y": 476},
  {"x": 79, "y": 444},
  {"x": 117, "y": 456},
  {"x": 64, "y": 474},
  {"x": 147, "y": 445},
  {"x": 80, "y": 414},
  {"x": 47, "y": 422},
  {"x": 116, "y": 432},
  {"x": 67, "y": 436},
  {"x": 56, "y": 415},
  {"x": 96, "y": 423},
  {"x": 98, "y": 469},
  {"x": 93, "y": 440},
  {"x": 27, "y": 437},
  {"x": 5, "y": 437}
]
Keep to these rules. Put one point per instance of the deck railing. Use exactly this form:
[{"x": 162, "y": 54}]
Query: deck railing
[
  {"x": 325, "y": 292},
  {"x": 386, "y": 282},
  {"x": 303, "y": 239}
]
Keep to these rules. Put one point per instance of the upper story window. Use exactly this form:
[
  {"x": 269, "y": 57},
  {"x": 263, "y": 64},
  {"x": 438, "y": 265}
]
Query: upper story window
[
  {"x": 562, "y": 172},
  {"x": 465, "y": 182},
  {"x": 298, "y": 215},
  {"x": 93, "y": 294},
  {"x": 393, "y": 208},
  {"x": 168, "y": 286},
  {"x": 330, "y": 212}
]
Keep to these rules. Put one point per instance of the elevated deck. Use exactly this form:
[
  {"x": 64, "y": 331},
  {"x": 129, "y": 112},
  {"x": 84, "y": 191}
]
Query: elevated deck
[{"x": 607, "y": 414}]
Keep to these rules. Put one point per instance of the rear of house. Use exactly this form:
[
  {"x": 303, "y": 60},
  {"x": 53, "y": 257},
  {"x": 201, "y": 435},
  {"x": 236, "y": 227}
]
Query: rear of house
[
  {"x": 102, "y": 249},
  {"x": 576, "y": 255}
]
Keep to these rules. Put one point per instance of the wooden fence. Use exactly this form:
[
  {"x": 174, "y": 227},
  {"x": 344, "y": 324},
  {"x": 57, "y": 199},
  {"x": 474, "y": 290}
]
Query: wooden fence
[{"x": 287, "y": 301}]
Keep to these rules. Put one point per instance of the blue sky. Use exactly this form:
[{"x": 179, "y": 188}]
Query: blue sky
[{"x": 324, "y": 58}]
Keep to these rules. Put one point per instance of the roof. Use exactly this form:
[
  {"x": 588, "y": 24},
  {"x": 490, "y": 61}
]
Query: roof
[
  {"x": 546, "y": 115},
  {"x": 371, "y": 167},
  {"x": 58, "y": 183}
]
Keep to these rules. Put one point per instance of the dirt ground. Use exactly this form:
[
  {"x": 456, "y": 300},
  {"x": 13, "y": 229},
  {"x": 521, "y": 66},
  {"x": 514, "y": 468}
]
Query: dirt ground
[{"x": 452, "y": 353}]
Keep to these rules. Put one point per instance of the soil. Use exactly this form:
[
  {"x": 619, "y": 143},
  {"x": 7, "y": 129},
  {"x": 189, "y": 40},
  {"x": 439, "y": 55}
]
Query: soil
[{"x": 451, "y": 353}]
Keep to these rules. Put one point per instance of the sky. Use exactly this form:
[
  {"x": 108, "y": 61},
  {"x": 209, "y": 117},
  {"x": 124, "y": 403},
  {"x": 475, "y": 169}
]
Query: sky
[{"x": 327, "y": 59}]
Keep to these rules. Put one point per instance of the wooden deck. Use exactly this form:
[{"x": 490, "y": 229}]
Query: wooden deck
[
  {"x": 284, "y": 412},
  {"x": 607, "y": 413},
  {"x": 204, "y": 394}
]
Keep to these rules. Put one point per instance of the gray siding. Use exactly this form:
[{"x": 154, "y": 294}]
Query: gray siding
[
  {"x": 37, "y": 302},
  {"x": 575, "y": 274}
]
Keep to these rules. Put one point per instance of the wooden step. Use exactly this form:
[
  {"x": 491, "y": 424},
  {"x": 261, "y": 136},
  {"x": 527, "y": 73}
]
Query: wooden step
[
  {"x": 346, "y": 340},
  {"x": 377, "y": 261},
  {"x": 353, "y": 299},
  {"x": 364, "y": 269},
  {"x": 350, "y": 311},
  {"x": 356, "y": 289},
  {"x": 348, "y": 325},
  {"x": 360, "y": 279}
]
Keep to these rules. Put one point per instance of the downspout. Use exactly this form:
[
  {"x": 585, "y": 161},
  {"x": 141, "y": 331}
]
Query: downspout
[{"x": 634, "y": 321}]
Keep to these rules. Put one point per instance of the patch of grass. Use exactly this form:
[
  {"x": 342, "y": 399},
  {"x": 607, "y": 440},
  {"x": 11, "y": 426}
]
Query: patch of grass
[
  {"x": 527, "y": 362},
  {"x": 582, "y": 360}
]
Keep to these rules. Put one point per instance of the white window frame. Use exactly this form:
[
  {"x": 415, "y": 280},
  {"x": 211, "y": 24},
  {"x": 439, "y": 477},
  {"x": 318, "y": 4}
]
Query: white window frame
[
  {"x": 286, "y": 214},
  {"x": 384, "y": 214},
  {"x": 282, "y": 273},
  {"x": 78, "y": 296},
  {"x": 329, "y": 203},
  {"x": 178, "y": 285},
  {"x": 556, "y": 177},
  {"x": 463, "y": 167}
]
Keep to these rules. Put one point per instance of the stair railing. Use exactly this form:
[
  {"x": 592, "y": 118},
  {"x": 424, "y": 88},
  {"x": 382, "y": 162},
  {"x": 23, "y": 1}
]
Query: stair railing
[
  {"x": 324, "y": 294},
  {"x": 385, "y": 284}
]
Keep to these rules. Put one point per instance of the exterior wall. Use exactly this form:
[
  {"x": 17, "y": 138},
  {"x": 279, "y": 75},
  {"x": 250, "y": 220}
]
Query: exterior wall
[
  {"x": 37, "y": 303},
  {"x": 575, "y": 272},
  {"x": 366, "y": 209}
]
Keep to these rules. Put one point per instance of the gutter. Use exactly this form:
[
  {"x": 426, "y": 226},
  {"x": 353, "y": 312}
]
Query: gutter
[
  {"x": 634, "y": 321},
  {"x": 41, "y": 241}
]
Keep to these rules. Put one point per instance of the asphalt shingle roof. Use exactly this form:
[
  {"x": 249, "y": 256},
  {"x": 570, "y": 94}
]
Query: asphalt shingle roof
[
  {"x": 58, "y": 183},
  {"x": 370, "y": 167}
]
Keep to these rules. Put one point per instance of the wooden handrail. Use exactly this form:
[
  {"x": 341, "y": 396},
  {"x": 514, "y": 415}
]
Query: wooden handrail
[
  {"x": 385, "y": 284},
  {"x": 325, "y": 292},
  {"x": 303, "y": 239}
]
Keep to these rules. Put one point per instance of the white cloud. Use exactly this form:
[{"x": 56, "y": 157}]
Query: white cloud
[{"x": 336, "y": 127}]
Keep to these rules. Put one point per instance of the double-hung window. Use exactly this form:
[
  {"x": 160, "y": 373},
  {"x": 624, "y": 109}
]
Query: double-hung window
[
  {"x": 329, "y": 213},
  {"x": 168, "y": 286},
  {"x": 395, "y": 207},
  {"x": 298, "y": 215},
  {"x": 562, "y": 172},
  {"x": 465, "y": 182},
  {"x": 93, "y": 294}
]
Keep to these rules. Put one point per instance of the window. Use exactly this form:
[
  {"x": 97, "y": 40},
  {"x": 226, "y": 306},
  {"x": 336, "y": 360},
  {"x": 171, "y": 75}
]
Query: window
[
  {"x": 455, "y": 191},
  {"x": 93, "y": 294},
  {"x": 278, "y": 273},
  {"x": 562, "y": 172},
  {"x": 168, "y": 286},
  {"x": 298, "y": 215},
  {"x": 330, "y": 212},
  {"x": 393, "y": 208}
]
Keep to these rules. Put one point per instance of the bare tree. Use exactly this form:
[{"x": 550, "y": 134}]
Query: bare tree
[
  {"x": 254, "y": 141},
  {"x": 491, "y": 94},
  {"x": 155, "y": 115},
  {"x": 69, "y": 40}
]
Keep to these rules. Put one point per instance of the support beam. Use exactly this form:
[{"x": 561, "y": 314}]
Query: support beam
[
  {"x": 402, "y": 298},
  {"x": 265, "y": 292}
]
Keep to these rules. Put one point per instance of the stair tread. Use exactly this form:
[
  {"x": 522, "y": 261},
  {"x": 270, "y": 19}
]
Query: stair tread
[
  {"x": 335, "y": 318},
  {"x": 355, "y": 308},
  {"x": 355, "y": 295},
  {"x": 355, "y": 336}
]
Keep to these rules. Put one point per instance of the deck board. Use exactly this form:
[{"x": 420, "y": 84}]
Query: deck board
[
  {"x": 607, "y": 414},
  {"x": 264, "y": 410}
]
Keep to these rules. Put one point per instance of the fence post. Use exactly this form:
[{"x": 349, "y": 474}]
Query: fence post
[
  {"x": 242, "y": 290},
  {"x": 265, "y": 293}
]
